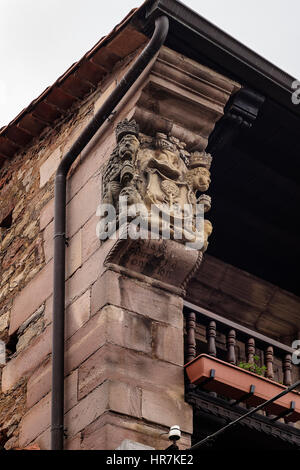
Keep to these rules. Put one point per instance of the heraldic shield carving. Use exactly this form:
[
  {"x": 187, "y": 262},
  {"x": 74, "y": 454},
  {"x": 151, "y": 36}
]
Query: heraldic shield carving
[{"x": 159, "y": 183}]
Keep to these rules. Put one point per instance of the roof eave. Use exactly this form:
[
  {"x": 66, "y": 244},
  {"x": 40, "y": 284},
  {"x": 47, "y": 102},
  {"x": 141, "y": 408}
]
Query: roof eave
[{"x": 197, "y": 38}]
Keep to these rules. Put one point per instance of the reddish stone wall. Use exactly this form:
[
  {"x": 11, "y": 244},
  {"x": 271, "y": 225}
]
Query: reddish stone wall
[
  {"x": 124, "y": 337},
  {"x": 124, "y": 353},
  {"x": 26, "y": 265}
]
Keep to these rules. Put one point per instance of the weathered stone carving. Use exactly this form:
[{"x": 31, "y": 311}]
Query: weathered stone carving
[
  {"x": 120, "y": 168},
  {"x": 162, "y": 182},
  {"x": 177, "y": 106}
]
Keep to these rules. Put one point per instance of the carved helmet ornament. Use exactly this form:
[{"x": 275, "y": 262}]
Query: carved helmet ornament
[{"x": 156, "y": 181}]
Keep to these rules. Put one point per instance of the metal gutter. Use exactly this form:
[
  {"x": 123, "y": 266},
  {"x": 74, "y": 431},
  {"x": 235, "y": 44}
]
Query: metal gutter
[
  {"x": 58, "y": 335},
  {"x": 191, "y": 35}
]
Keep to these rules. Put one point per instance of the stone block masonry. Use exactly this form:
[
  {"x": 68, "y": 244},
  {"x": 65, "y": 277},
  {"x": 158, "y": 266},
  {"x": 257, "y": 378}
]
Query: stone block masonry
[
  {"x": 113, "y": 329},
  {"x": 124, "y": 374},
  {"x": 26, "y": 263}
]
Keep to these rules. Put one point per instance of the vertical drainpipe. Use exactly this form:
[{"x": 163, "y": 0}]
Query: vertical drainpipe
[{"x": 58, "y": 335}]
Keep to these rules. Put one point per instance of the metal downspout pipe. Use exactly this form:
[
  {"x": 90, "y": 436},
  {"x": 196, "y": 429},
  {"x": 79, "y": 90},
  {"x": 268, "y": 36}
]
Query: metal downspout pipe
[{"x": 58, "y": 335}]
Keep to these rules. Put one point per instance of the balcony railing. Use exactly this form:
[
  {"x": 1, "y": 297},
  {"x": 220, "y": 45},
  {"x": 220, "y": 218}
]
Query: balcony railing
[{"x": 235, "y": 334}]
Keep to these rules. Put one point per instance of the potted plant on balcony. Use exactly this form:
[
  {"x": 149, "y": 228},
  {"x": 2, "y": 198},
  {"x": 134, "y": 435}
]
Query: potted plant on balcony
[
  {"x": 253, "y": 366},
  {"x": 238, "y": 383}
]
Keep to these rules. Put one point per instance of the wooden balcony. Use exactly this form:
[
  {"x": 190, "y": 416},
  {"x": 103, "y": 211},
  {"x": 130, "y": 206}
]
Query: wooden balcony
[{"x": 221, "y": 359}]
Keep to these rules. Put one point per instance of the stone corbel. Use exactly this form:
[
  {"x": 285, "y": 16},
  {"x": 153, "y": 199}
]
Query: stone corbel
[
  {"x": 160, "y": 183},
  {"x": 164, "y": 264},
  {"x": 160, "y": 161}
]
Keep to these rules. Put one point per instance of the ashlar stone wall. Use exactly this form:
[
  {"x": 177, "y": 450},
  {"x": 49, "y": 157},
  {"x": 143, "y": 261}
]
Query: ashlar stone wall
[
  {"x": 124, "y": 353},
  {"x": 124, "y": 374}
]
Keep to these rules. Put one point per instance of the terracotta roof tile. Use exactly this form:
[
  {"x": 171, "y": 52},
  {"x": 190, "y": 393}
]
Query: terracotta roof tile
[{"x": 77, "y": 82}]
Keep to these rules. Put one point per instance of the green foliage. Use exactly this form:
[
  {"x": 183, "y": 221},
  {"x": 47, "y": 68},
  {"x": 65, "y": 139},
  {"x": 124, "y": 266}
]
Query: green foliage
[{"x": 253, "y": 366}]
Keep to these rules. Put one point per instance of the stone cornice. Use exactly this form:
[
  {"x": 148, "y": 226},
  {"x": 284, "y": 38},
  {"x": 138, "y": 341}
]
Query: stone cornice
[{"x": 182, "y": 98}]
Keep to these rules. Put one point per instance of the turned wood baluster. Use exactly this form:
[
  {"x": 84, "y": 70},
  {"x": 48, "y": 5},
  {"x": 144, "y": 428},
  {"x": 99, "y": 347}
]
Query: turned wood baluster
[
  {"x": 250, "y": 350},
  {"x": 287, "y": 369},
  {"x": 269, "y": 362},
  {"x": 211, "y": 338},
  {"x": 191, "y": 340},
  {"x": 269, "y": 355},
  {"x": 231, "y": 341},
  {"x": 211, "y": 333}
]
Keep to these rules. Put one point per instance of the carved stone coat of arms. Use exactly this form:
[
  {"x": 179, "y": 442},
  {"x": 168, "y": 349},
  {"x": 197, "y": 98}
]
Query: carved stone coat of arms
[{"x": 160, "y": 181}]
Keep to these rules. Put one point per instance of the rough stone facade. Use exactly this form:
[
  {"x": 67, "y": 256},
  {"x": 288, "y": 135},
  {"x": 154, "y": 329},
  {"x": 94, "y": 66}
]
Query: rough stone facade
[
  {"x": 26, "y": 254},
  {"x": 124, "y": 333},
  {"x": 120, "y": 332}
]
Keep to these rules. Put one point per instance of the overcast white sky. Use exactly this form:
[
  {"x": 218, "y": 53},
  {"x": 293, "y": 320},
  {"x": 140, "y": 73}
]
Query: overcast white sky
[{"x": 40, "y": 39}]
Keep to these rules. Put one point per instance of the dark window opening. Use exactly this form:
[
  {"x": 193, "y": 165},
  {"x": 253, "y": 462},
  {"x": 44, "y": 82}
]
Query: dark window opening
[
  {"x": 11, "y": 346},
  {"x": 7, "y": 221},
  {"x": 3, "y": 439}
]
